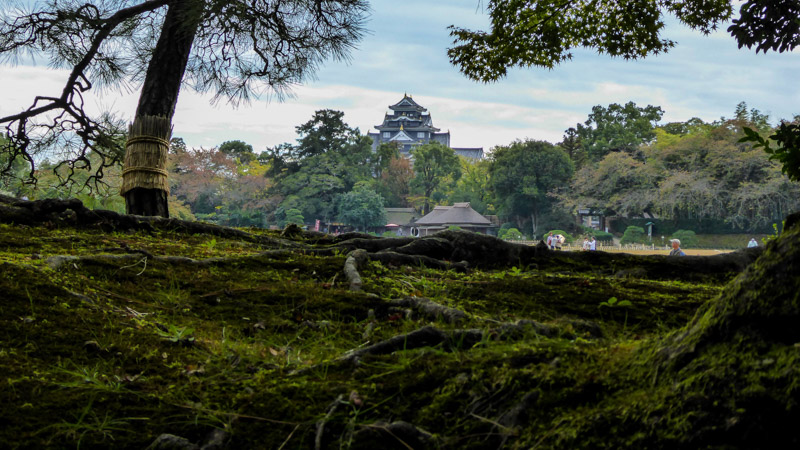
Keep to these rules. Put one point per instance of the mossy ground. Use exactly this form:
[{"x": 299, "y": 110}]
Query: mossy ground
[{"x": 112, "y": 353}]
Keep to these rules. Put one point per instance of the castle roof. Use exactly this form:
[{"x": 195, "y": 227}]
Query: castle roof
[
  {"x": 402, "y": 136},
  {"x": 474, "y": 152},
  {"x": 406, "y": 104}
]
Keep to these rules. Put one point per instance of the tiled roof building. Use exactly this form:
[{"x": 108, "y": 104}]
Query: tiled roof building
[
  {"x": 410, "y": 125},
  {"x": 460, "y": 215}
]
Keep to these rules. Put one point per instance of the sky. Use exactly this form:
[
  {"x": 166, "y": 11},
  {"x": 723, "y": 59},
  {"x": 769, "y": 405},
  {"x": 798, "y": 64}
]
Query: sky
[{"x": 404, "y": 51}]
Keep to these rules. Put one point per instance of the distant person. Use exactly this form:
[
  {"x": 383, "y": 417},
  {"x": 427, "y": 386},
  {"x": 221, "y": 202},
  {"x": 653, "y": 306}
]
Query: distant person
[
  {"x": 676, "y": 248},
  {"x": 752, "y": 243},
  {"x": 551, "y": 241},
  {"x": 592, "y": 244},
  {"x": 586, "y": 245},
  {"x": 559, "y": 240}
]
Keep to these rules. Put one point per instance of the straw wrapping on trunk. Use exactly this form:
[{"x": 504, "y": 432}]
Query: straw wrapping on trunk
[{"x": 145, "y": 164}]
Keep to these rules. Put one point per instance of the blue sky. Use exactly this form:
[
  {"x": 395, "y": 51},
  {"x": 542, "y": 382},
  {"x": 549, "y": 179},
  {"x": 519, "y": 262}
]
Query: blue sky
[{"x": 405, "y": 52}]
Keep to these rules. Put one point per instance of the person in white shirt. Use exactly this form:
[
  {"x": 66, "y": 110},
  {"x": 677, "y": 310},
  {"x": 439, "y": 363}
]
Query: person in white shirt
[
  {"x": 586, "y": 245},
  {"x": 592, "y": 244},
  {"x": 752, "y": 243},
  {"x": 551, "y": 241}
]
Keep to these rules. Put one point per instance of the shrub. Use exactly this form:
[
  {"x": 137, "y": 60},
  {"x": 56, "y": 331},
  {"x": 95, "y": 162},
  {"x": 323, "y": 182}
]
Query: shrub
[
  {"x": 602, "y": 236},
  {"x": 513, "y": 234},
  {"x": 294, "y": 216},
  {"x": 634, "y": 235},
  {"x": 687, "y": 238},
  {"x": 504, "y": 228}
]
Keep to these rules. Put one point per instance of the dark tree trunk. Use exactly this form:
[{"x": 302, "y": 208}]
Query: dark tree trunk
[
  {"x": 147, "y": 202},
  {"x": 160, "y": 90}
]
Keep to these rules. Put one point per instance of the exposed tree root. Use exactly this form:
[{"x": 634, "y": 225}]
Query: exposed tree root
[
  {"x": 438, "y": 251},
  {"x": 430, "y": 309},
  {"x": 402, "y": 434},
  {"x": 171, "y": 442},
  {"x": 370, "y": 243},
  {"x": 319, "y": 438},
  {"x": 390, "y": 258},
  {"x": 486, "y": 252},
  {"x": 72, "y": 213},
  {"x": 57, "y": 261},
  {"x": 517, "y": 415},
  {"x": 216, "y": 440},
  {"x": 355, "y": 260},
  {"x": 430, "y": 336}
]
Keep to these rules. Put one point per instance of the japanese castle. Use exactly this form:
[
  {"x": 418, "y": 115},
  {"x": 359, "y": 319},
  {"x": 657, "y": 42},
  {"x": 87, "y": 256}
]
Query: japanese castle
[{"x": 410, "y": 125}]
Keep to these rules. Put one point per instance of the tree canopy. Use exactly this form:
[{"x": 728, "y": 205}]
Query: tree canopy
[
  {"x": 544, "y": 34},
  {"x": 233, "y": 49},
  {"x": 361, "y": 208},
  {"x": 522, "y": 175},
  {"x": 239, "y": 150},
  {"x": 617, "y": 128},
  {"x": 329, "y": 159},
  {"x": 433, "y": 163},
  {"x": 692, "y": 170}
]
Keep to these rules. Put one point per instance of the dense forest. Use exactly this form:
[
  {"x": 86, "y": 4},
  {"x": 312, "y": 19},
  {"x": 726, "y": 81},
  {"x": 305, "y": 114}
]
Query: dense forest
[{"x": 620, "y": 161}]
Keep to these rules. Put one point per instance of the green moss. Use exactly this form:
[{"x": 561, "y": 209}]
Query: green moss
[{"x": 111, "y": 353}]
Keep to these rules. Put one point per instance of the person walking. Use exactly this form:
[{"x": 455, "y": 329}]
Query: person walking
[
  {"x": 559, "y": 239},
  {"x": 593, "y": 244},
  {"x": 676, "y": 248},
  {"x": 551, "y": 241}
]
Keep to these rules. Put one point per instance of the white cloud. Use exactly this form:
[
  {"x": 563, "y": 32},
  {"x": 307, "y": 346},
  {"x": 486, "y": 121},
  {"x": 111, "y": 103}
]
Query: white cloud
[{"x": 405, "y": 52}]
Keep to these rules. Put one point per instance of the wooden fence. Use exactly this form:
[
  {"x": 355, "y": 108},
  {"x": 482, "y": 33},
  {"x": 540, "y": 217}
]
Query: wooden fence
[{"x": 578, "y": 246}]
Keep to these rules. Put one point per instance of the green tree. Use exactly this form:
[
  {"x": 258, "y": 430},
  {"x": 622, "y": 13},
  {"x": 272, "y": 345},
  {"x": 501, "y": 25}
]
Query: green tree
[
  {"x": 362, "y": 207},
  {"x": 691, "y": 171},
  {"x": 294, "y": 216},
  {"x": 433, "y": 162},
  {"x": 545, "y": 33},
  {"x": 384, "y": 155},
  {"x": 786, "y": 149},
  {"x": 328, "y": 160},
  {"x": 473, "y": 186},
  {"x": 325, "y": 131},
  {"x": 571, "y": 143},
  {"x": 15, "y": 173},
  {"x": 512, "y": 234},
  {"x": 239, "y": 150},
  {"x": 618, "y": 183},
  {"x": 633, "y": 235},
  {"x": 521, "y": 176},
  {"x": 618, "y": 128},
  {"x": 230, "y": 48}
]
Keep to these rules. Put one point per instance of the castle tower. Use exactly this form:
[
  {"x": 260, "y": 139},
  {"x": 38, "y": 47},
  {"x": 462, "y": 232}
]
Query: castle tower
[{"x": 409, "y": 124}]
